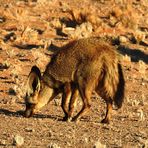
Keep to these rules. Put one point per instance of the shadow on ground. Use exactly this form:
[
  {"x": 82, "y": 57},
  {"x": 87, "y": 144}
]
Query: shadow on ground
[
  {"x": 135, "y": 54},
  {"x": 11, "y": 113},
  {"x": 28, "y": 46},
  {"x": 20, "y": 113}
]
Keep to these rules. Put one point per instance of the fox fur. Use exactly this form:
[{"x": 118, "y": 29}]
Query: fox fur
[{"x": 80, "y": 67}]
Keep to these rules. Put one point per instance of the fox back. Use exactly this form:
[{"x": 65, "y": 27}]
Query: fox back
[{"x": 73, "y": 57}]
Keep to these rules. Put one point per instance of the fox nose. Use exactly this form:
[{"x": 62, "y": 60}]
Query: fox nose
[
  {"x": 28, "y": 113},
  {"x": 29, "y": 110}
]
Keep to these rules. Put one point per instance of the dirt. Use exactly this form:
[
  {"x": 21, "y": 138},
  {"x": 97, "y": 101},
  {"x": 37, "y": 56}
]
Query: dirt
[{"x": 31, "y": 31}]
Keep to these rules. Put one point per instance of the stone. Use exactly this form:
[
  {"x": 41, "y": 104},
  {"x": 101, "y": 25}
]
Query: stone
[{"x": 18, "y": 140}]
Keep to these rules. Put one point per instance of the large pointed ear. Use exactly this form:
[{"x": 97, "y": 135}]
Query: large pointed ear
[
  {"x": 36, "y": 70},
  {"x": 33, "y": 82}
]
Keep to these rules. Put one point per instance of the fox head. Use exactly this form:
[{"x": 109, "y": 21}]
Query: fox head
[{"x": 37, "y": 94}]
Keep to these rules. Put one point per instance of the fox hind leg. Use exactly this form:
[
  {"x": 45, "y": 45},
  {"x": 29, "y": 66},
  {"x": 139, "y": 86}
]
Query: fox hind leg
[
  {"x": 85, "y": 93},
  {"x": 72, "y": 103},
  {"x": 108, "y": 111}
]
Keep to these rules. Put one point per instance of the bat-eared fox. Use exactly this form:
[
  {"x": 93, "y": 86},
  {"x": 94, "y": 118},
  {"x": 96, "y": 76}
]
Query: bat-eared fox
[{"x": 78, "y": 68}]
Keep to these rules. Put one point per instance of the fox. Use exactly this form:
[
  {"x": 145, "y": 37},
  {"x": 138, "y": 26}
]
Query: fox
[{"x": 79, "y": 68}]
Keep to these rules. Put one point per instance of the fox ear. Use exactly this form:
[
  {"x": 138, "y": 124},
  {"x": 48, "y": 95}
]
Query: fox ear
[
  {"x": 33, "y": 82},
  {"x": 37, "y": 71}
]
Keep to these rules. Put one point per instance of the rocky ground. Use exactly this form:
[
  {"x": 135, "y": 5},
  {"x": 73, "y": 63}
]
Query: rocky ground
[{"x": 31, "y": 31}]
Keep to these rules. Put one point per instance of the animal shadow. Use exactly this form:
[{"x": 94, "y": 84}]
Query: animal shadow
[
  {"x": 20, "y": 113},
  {"x": 11, "y": 113},
  {"x": 135, "y": 54}
]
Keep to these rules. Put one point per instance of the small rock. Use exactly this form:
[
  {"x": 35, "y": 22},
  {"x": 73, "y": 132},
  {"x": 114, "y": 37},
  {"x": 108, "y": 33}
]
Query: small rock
[
  {"x": 140, "y": 36},
  {"x": 113, "y": 21},
  {"x": 41, "y": 1},
  {"x": 98, "y": 144},
  {"x": 126, "y": 58},
  {"x": 123, "y": 39},
  {"x": 81, "y": 31},
  {"x": 56, "y": 23},
  {"x": 84, "y": 30},
  {"x": 29, "y": 130},
  {"x": 117, "y": 12},
  {"x": 142, "y": 67},
  {"x": 3, "y": 142},
  {"x": 119, "y": 1},
  {"x": 68, "y": 30},
  {"x": 53, "y": 145},
  {"x": 18, "y": 140}
]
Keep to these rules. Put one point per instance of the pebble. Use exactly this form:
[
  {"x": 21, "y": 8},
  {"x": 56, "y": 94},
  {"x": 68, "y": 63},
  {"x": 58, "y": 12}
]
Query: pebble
[
  {"x": 29, "y": 130},
  {"x": 81, "y": 31},
  {"x": 98, "y": 144},
  {"x": 18, "y": 140},
  {"x": 123, "y": 39},
  {"x": 3, "y": 142}
]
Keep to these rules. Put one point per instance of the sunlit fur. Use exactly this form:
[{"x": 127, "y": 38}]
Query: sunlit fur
[{"x": 81, "y": 67}]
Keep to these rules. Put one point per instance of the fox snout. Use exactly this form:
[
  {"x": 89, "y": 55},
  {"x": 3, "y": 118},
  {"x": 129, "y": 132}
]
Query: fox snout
[{"x": 29, "y": 110}]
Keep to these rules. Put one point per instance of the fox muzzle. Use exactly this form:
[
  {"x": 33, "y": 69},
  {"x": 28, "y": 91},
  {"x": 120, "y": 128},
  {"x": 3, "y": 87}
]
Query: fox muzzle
[{"x": 29, "y": 110}]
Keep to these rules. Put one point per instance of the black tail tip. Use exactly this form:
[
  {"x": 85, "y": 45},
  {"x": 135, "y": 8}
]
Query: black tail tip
[{"x": 120, "y": 93}]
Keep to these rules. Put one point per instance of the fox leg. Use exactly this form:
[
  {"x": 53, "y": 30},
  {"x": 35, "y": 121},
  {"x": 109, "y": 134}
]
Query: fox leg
[
  {"x": 85, "y": 93},
  {"x": 108, "y": 111},
  {"x": 72, "y": 103},
  {"x": 65, "y": 100}
]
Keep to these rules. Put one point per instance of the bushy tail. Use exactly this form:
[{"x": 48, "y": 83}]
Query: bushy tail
[{"x": 119, "y": 95}]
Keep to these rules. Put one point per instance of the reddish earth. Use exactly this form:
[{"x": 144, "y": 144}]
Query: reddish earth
[{"x": 31, "y": 31}]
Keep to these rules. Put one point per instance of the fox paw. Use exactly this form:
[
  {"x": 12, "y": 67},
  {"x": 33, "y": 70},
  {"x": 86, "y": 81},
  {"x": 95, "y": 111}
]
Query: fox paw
[
  {"x": 105, "y": 121},
  {"x": 65, "y": 118},
  {"x": 75, "y": 119}
]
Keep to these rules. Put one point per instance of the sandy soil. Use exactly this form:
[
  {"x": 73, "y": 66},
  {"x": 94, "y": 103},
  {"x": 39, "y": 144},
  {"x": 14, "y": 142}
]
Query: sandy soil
[{"x": 31, "y": 31}]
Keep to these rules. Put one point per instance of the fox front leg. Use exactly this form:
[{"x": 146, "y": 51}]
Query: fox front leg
[{"x": 67, "y": 92}]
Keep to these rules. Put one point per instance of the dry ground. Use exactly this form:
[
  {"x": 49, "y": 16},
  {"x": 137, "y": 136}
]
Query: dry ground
[{"x": 31, "y": 31}]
